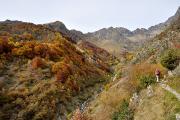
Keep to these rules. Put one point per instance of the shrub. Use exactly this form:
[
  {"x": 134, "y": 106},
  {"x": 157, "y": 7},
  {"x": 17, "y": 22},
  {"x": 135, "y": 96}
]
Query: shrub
[
  {"x": 63, "y": 73},
  {"x": 24, "y": 50},
  {"x": 170, "y": 59},
  {"x": 124, "y": 112},
  {"x": 53, "y": 54},
  {"x": 37, "y": 62},
  {"x": 56, "y": 67},
  {"x": 146, "y": 80},
  {"x": 78, "y": 115},
  {"x": 61, "y": 76},
  {"x": 5, "y": 47},
  {"x": 40, "y": 49}
]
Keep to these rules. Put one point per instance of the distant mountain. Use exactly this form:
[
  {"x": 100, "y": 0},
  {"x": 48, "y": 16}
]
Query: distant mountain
[
  {"x": 116, "y": 40},
  {"x": 138, "y": 35}
]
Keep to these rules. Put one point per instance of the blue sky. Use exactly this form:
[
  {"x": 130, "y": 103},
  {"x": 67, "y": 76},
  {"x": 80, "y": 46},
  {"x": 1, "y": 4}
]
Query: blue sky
[{"x": 90, "y": 15}]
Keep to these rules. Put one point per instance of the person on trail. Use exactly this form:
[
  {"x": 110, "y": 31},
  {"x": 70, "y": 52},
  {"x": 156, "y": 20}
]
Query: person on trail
[{"x": 157, "y": 73}]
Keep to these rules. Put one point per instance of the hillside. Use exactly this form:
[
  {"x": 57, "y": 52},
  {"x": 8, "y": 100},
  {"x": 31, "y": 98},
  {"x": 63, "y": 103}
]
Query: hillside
[
  {"x": 154, "y": 48},
  {"x": 45, "y": 76},
  {"x": 29, "y": 31},
  {"x": 134, "y": 94}
]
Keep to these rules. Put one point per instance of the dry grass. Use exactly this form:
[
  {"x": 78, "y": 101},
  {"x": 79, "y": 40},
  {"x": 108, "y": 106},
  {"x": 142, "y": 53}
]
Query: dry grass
[
  {"x": 145, "y": 69},
  {"x": 174, "y": 82},
  {"x": 161, "y": 106},
  {"x": 103, "y": 107},
  {"x": 78, "y": 115},
  {"x": 151, "y": 108}
]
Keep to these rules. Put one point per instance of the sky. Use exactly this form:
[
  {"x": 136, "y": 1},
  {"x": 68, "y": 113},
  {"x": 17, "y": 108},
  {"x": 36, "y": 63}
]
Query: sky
[{"x": 90, "y": 15}]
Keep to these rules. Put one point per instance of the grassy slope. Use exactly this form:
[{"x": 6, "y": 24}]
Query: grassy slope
[
  {"x": 149, "y": 53},
  {"x": 106, "y": 103},
  {"x": 174, "y": 82},
  {"x": 161, "y": 106}
]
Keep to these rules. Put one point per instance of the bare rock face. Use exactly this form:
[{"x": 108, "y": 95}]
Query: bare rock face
[{"x": 60, "y": 27}]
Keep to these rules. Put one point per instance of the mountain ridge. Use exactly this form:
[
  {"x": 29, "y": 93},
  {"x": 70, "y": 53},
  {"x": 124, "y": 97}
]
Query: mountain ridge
[{"x": 118, "y": 39}]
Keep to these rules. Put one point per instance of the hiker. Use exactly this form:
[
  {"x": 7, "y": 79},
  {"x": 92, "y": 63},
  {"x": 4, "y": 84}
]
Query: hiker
[{"x": 157, "y": 73}]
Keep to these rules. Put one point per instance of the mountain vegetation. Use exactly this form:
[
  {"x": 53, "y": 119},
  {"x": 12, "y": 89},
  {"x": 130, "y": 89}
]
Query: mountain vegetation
[
  {"x": 48, "y": 72},
  {"x": 43, "y": 75}
]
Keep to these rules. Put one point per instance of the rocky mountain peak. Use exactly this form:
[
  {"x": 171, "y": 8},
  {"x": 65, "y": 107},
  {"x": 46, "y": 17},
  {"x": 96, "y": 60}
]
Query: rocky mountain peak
[
  {"x": 178, "y": 11},
  {"x": 173, "y": 18},
  {"x": 140, "y": 31},
  {"x": 57, "y": 25}
]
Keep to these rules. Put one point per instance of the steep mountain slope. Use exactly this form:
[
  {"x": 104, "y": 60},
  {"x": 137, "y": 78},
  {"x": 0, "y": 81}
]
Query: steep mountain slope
[
  {"x": 45, "y": 76},
  {"x": 163, "y": 102},
  {"x": 146, "y": 103},
  {"x": 170, "y": 38},
  {"x": 169, "y": 21},
  {"x": 161, "y": 105}
]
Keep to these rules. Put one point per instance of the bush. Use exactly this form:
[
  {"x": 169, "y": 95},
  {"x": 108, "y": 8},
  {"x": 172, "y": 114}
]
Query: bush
[
  {"x": 146, "y": 80},
  {"x": 78, "y": 115},
  {"x": 170, "y": 59},
  {"x": 62, "y": 71},
  {"x": 24, "y": 50},
  {"x": 56, "y": 67},
  {"x": 61, "y": 76},
  {"x": 124, "y": 112},
  {"x": 37, "y": 62},
  {"x": 5, "y": 47}
]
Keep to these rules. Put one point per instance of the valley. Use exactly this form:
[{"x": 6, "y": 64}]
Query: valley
[{"x": 48, "y": 72}]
